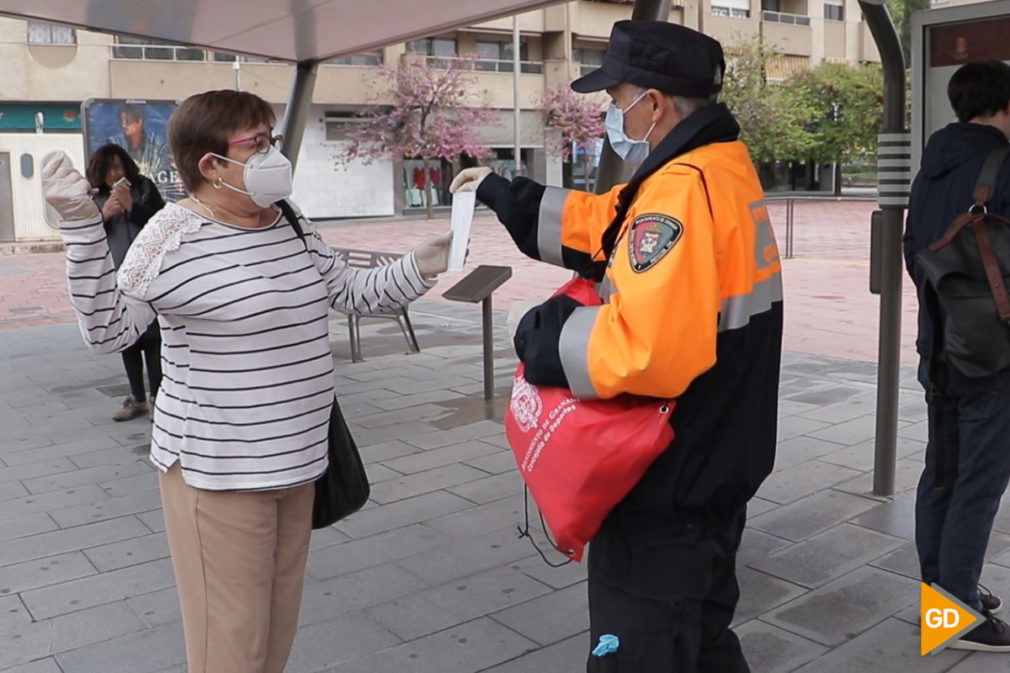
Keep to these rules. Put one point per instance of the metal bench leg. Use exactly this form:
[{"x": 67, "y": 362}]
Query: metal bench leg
[
  {"x": 355, "y": 336},
  {"x": 408, "y": 331}
]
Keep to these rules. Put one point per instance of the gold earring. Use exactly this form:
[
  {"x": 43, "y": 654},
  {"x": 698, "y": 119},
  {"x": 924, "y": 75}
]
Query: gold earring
[{"x": 217, "y": 183}]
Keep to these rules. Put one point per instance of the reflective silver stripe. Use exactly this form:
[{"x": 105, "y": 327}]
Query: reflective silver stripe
[
  {"x": 573, "y": 347},
  {"x": 737, "y": 311},
  {"x": 552, "y": 205},
  {"x": 605, "y": 289}
]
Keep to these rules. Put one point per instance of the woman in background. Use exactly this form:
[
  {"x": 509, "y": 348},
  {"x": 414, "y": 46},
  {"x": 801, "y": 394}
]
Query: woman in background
[{"x": 127, "y": 201}]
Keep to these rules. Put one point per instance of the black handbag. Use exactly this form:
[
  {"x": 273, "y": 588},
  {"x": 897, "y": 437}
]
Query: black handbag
[
  {"x": 343, "y": 488},
  {"x": 967, "y": 272}
]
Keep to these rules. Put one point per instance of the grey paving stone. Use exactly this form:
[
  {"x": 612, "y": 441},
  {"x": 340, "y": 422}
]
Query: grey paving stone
[
  {"x": 496, "y": 463},
  {"x": 479, "y": 430},
  {"x": 556, "y": 578},
  {"x": 393, "y": 448},
  {"x": 450, "y": 562},
  {"x": 154, "y": 520},
  {"x": 848, "y": 432},
  {"x": 12, "y": 613},
  {"x": 811, "y": 515},
  {"x": 99, "y": 589},
  {"x": 551, "y": 618},
  {"x": 413, "y": 616},
  {"x": 827, "y": 556},
  {"x": 323, "y": 645},
  {"x": 404, "y": 431},
  {"x": 415, "y": 412},
  {"x": 52, "y": 570},
  {"x": 47, "y": 665},
  {"x": 757, "y": 506},
  {"x": 773, "y": 650},
  {"x": 842, "y": 609},
  {"x": 890, "y": 646},
  {"x": 895, "y": 518},
  {"x": 12, "y": 489},
  {"x": 484, "y": 593},
  {"x": 918, "y": 430},
  {"x": 157, "y": 607},
  {"x": 35, "y": 469},
  {"x": 118, "y": 488},
  {"x": 114, "y": 455},
  {"x": 142, "y": 652},
  {"x": 860, "y": 456},
  {"x": 473, "y": 646},
  {"x": 760, "y": 592},
  {"x": 379, "y": 473},
  {"x": 860, "y": 403},
  {"x": 906, "y": 478},
  {"x": 904, "y": 561},
  {"x": 356, "y": 591},
  {"x": 800, "y": 449},
  {"x": 356, "y": 554},
  {"x": 803, "y": 479},
  {"x": 756, "y": 546},
  {"x": 69, "y": 539},
  {"x": 435, "y": 479},
  {"x": 94, "y": 625},
  {"x": 568, "y": 655},
  {"x": 490, "y": 489},
  {"x": 382, "y": 518},
  {"x": 57, "y": 449},
  {"x": 794, "y": 426},
  {"x": 447, "y": 455},
  {"x": 480, "y": 520},
  {"x": 136, "y": 550}
]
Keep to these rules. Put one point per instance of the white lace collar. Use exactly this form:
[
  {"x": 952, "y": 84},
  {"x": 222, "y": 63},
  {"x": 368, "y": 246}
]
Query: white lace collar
[{"x": 163, "y": 233}]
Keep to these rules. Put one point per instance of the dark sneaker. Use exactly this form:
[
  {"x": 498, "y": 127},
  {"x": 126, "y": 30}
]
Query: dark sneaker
[
  {"x": 990, "y": 603},
  {"x": 131, "y": 409},
  {"x": 992, "y": 635}
]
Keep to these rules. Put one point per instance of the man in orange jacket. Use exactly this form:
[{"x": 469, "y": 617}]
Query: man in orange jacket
[{"x": 689, "y": 275}]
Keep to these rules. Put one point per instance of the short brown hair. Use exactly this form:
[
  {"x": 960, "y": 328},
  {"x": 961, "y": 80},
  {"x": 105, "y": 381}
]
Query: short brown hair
[{"x": 202, "y": 124}]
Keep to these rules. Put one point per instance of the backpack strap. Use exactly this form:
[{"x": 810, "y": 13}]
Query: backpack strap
[{"x": 987, "y": 176}]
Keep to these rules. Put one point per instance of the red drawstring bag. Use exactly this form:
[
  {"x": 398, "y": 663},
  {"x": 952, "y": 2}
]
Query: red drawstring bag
[{"x": 579, "y": 458}]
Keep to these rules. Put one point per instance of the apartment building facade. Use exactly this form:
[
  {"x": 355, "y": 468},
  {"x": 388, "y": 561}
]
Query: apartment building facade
[{"x": 51, "y": 70}]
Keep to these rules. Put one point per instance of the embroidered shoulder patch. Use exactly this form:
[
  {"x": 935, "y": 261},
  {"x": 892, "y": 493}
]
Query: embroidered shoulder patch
[{"x": 652, "y": 236}]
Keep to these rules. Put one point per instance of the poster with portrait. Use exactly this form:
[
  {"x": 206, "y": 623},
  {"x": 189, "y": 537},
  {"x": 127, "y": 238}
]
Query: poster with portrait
[{"x": 141, "y": 128}]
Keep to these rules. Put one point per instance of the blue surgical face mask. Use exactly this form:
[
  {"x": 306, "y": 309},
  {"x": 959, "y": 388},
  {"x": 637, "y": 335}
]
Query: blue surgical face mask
[{"x": 630, "y": 150}]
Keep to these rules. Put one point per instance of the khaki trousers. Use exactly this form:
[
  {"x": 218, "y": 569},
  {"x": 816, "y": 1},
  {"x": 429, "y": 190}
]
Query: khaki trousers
[{"x": 239, "y": 560}]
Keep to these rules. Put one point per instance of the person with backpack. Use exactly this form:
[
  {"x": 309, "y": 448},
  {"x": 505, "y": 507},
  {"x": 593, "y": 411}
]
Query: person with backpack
[{"x": 967, "y": 462}]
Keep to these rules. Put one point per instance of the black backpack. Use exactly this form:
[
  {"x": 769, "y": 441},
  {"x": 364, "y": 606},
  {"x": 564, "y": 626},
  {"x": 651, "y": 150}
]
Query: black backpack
[{"x": 967, "y": 271}]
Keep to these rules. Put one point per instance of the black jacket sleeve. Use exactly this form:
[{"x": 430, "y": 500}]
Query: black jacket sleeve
[
  {"x": 537, "y": 337},
  {"x": 517, "y": 204}
]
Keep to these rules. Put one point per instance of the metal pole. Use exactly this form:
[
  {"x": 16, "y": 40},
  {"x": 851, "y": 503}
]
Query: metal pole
[
  {"x": 889, "y": 254},
  {"x": 517, "y": 149},
  {"x": 612, "y": 170},
  {"x": 293, "y": 126},
  {"x": 488, "y": 337}
]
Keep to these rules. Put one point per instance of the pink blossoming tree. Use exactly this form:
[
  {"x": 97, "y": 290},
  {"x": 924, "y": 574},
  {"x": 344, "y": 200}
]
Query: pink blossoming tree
[
  {"x": 578, "y": 120},
  {"x": 426, "y": 111}
]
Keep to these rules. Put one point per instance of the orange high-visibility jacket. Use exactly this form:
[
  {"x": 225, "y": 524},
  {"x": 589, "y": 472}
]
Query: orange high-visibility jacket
[{"x": 692, "y": 309}]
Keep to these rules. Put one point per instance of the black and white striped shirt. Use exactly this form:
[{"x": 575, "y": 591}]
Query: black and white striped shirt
[{"x": 248, "y": 376}]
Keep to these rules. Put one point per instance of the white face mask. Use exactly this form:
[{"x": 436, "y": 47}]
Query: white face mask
[
  {"x": 267, "y": 177},
  {"x": 630, "y": 150}
]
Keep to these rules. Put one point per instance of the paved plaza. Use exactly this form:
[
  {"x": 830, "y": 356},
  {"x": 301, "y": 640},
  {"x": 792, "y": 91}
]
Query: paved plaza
[{"x": 430, "y": 577}]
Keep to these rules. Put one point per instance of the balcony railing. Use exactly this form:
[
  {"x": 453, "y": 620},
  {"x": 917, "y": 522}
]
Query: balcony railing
[
  {"x": 487, "y": 64},
  {"x": 783, "y": 17}
]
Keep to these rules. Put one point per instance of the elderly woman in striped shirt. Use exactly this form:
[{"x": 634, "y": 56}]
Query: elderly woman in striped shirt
[{"x": 240, "y": 424}]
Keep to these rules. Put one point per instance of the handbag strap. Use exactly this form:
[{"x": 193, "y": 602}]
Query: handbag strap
[{"x": 289, "y": 215}]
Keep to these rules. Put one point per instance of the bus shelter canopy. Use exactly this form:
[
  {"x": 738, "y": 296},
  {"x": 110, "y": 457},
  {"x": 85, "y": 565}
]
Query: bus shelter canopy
[{"x": 281, "y": 30}]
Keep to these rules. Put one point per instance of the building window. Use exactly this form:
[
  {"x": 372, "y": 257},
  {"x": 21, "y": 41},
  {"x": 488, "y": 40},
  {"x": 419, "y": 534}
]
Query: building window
[
  {"x": 736, "y": 9},
  {"x": 373, "y": 57},
  {"x": 433, "y": 46},
  {"x": 47, "y": 33},
  {"x": 496, "y": 56},
  {"x": 154, "y": 50},
  {"x": 589, "y": 58},
  {"x": 340, "y": 126},
  {"x": 834, "y": 12}
]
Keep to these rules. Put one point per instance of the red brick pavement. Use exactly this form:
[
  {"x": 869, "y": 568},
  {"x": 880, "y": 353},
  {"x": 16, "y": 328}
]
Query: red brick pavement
[{"x": 829, "y": 310}]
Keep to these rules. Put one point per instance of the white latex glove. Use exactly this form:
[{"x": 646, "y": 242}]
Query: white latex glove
[
  {"x": 516, "y": 312},
  {"x": 468, "y": 179},
  {"x": 66, "y": 190},
  {"x": 432, "y": 255}
]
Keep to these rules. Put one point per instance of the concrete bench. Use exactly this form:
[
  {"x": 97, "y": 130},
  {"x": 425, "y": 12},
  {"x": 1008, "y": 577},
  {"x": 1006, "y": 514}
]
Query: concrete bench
[{"x": 368, "y": 259}]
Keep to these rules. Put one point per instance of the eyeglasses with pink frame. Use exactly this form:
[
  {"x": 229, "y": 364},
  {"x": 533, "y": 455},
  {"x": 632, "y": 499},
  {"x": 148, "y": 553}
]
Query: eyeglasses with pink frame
[{"x": 263, "y": 141}]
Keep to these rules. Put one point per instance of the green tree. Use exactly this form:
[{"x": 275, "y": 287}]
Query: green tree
[
  {"x": 847, "y": 104},
  {"x": 772, "y": 118}
]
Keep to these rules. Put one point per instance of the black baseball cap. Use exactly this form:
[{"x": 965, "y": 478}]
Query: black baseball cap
[{"x": 658, "y": 55}]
